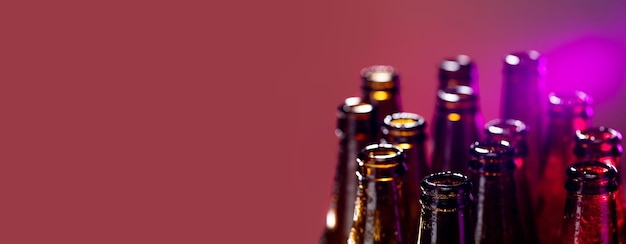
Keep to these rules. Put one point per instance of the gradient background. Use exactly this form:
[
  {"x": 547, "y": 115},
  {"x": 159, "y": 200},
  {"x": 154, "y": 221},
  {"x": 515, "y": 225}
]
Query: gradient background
[{"x": 213, "y": 121}]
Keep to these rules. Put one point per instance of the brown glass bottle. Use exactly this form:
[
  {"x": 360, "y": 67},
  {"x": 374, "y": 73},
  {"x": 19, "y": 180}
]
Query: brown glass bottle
[
  {"x": 589, "y": 215},
  {"x": 446, "y": 209},
  {"x": 407, "y": 131},
  {"x": 456, "y": 126},
  {"x": 376, "y": 216},
  {"x": 356, "y": 128},
  {"x": 603, "y": 144},
  {"x": 381, "y": 88},
  {"x": 568, "y": 112},
  {"x": 514, "y": 131},
  {"x": 524, "y": 98},
  {"x": 492, "y": 170}
]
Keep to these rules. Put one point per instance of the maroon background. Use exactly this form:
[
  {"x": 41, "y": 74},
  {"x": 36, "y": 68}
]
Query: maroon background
[{"x": 212, "y": 121}]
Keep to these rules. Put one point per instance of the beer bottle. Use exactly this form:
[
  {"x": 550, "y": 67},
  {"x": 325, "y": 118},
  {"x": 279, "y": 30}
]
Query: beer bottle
[
  {"x": 376, "y": 216},
  {"x": 492, "y": 170},
  {"x": 446, "y": 209},
  {"x": 406, "y": 130},
  {"x": 589, "y": 215},
  {"x": 568, "y": 112},
  {"x": 603, "y": 144},
  {"x": 356, "y": 128},
  {"x": 524, "y": 98},
  {"x": 381, "y": 88},
  {"x": 514, "y": 131},
  {"x": 455, "y": 128}
]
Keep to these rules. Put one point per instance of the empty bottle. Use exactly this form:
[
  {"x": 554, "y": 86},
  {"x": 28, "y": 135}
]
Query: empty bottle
[
  {"x": 514, "y": 131},
  {"x": 446, "y": 209},
  {"x": 568, "y": 112},
  {"x": 590, "y": 215},
  {"x": 376, "y": 213},
  {"x": 407, "y": 131},
  {"x": 356, "y": 128},
  {"x": 524, "y": 98},
  {"x": 603, "y": 144},
  {"x": 492, "y": 170}
]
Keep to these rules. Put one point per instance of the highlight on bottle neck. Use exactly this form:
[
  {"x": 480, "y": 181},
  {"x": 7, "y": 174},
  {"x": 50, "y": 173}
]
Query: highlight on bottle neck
[
  {"x": 571, "y": 104},
  {"x": 491, "y": 157},
  {"x": 356, "y": 116},
  {"x": 380, "y": 81},
  {"x": 591, "y": 178},
  {"x": 446, "y": 191},
  {"x": 380, "y": 162},
  {"x": 598, "y": 142},
  {"x": 510, "y": 130},
  {"x": 457, "y": 98},
  {"x": 404, "y": 127},
  {"x": 525, "y": 63},
  {"x": 458, "y": 71}
]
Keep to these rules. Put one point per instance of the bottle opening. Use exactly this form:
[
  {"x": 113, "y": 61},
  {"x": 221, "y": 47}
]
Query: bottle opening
[
  {"x": 378, "y": 73},
  {"x": 591, "y": 177},
  {"x": 356, "y": 105},
  {"x": 404, "y": 121},
  {"x": 446, "y": 184},
  {"x": 508, "y": 127},
  {"x": 381, "y": 153},
  {"x": 598, "y": 135}
]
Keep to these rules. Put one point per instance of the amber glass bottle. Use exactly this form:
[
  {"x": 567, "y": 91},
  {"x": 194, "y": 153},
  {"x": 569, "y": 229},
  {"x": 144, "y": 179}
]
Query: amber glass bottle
[
  {"x": 568, "y": 112},
  {"x": 458, "y": 117},
  {"x": 376, "y": 216},
  {"x": 407, "y": 131},
  {"x": 603, "y": 144},
  {"x": 381, "y": 88},
  {"x": 514, "y": 131},
  {"x": 524, "y": 98},
  {"x": 492, "y": 170},
  {"x": 590, "y": 204},
  {"x": 356, "y": 128},
  {"x": 455, "y": 128},
  {"x": 446, "y": 209}
]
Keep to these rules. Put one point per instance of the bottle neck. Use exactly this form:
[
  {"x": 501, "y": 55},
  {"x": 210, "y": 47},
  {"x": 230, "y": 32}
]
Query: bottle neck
[
  {"x": 376, "y": 218},
  {"x": 446, "y": 219},
  {"x": 589, "y": 219},
  {"x": 453, "y": 133}
]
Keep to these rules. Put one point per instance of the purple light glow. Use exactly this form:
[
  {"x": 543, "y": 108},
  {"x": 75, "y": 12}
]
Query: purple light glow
[{"x": 594, "y": 65}]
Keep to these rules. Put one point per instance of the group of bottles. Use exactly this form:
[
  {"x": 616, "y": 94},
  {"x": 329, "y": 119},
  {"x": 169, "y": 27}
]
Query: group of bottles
[{"x": 519, "y": 179}]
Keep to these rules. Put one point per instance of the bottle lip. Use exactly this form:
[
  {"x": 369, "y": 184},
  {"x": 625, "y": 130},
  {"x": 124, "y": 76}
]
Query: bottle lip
[
  {"x": 404, "y": 121},
  {"x": 381, "y": 160},
  {"x": 447, "y": 184},
  {"x": 355, "y": 105},
  {"x": 492, "y": 157},
  {"x": 598, "y": 135},
  {"x": 598, "y": 142},
  {"x": 576, "y": 103},
  {"x": 505, "y": 127},
  {"x": 524, "y": 62},
  {"x": 380, "y": 77},
  {"x": 591, "y": 178},
  {"x": 458, "y": 97},
  {"x": 461, "y": 67}
]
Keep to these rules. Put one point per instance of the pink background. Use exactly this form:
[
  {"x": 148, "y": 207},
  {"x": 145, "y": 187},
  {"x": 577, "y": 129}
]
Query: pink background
[{"x": 212, "y": 121}]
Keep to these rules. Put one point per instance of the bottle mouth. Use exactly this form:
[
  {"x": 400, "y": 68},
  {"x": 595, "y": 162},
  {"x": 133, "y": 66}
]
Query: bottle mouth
[
  {"x": 598, "y": 142},
  {"x": 591, "y": 177},
  {"x": 507, "y": 127},
  {"x": 524, "y": 62},
  {"x": 460, "y": 70},
  {"x": 355, "y": 105},
  {"x": 575, "y": 103},
  {"x": 446, "y": 185},
  {"x": 380, "y": 77},
  {"x": 404, "y": 124},
  {"x": 382, "y": 161},
  {"x": 492, "y": 156}
]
